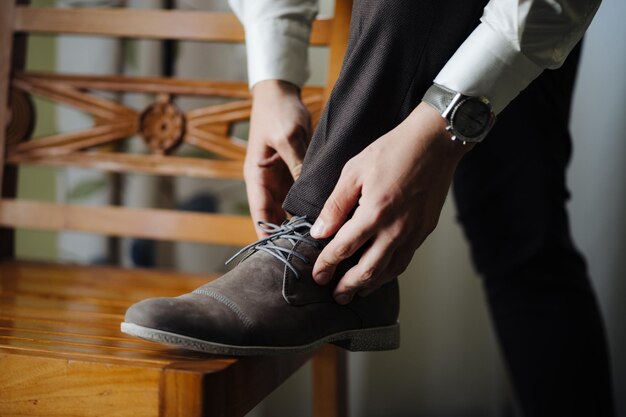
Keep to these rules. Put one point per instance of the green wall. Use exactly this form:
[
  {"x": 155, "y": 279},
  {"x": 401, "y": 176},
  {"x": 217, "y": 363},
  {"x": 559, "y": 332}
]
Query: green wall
[{"x": 39, "y": 183}]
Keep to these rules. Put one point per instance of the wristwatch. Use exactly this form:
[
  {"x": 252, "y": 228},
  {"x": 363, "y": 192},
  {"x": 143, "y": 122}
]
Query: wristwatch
[{"x": 469, "y": 118}]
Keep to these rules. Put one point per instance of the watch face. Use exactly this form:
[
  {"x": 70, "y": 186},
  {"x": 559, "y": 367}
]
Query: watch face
[{"x": 471, "y": 117}]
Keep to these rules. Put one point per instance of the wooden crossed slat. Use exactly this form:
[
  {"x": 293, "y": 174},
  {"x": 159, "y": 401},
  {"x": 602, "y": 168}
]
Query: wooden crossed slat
[
  {"x": 66, "y": 93},
  {"x": 207, "y": 128},
  {"x": 113, "y": 121},
  {"x": 67, "y": 142}
]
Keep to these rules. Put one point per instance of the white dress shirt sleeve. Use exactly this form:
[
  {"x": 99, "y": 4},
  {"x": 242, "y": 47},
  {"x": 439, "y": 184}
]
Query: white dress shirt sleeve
[
  {"x": 515, "y": 42},
  {"x": 277, "y": 38}
]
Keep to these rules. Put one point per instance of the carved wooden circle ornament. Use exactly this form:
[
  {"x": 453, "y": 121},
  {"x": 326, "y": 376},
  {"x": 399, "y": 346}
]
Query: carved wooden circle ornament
[
  {"x": 20, "y": 118},
  {"x": 162, "y": 126}
]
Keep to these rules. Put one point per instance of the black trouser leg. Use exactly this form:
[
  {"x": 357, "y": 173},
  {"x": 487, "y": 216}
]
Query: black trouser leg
[
  {"x": 510, "y": 192},
  {"x": 511, "y": 195},
  {"x": 395, "y": 50}
]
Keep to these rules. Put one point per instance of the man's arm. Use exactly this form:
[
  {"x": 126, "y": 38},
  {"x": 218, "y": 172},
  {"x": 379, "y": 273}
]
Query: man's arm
[
  {"x": 400, "y": 205},
  {"x": 397, "y": 186},
  {"x": 515, "y": 42},
  {"x": 277, "y": 40}
]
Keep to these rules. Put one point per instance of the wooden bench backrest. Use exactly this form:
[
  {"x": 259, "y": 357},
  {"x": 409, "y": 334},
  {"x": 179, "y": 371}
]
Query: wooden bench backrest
[{"x": 161, "y": 124}]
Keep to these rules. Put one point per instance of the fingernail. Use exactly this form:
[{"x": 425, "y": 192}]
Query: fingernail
[
  {"x": 342, "y": 298},
  {"x": 322, "y": 278},
  {"x": 318, "y": 228}
]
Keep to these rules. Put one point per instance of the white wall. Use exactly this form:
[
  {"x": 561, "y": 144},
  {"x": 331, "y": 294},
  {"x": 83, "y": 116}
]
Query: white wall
[{"x": 598, "y": 174}]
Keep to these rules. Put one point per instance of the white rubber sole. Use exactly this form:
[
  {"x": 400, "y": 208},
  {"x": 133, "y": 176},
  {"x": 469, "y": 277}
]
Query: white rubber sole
[{"x": 371, "y": 339}]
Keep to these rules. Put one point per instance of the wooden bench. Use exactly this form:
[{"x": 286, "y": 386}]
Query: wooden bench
[{"x": 61, "y": 351}]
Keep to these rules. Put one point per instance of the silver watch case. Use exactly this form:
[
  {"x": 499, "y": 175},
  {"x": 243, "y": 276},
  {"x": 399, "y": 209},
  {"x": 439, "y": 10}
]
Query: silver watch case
[{"x": 451, "y": 112}]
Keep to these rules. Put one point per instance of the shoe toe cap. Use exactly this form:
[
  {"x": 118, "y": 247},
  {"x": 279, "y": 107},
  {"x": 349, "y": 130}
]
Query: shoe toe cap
[
  {"x": 153, "y": 312},
  {"x": 190, "y": 315}
]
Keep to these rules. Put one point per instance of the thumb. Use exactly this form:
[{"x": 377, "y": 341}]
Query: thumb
[
  {"x": 338, "y": 206},
  {"x": 292, "y": 151}
]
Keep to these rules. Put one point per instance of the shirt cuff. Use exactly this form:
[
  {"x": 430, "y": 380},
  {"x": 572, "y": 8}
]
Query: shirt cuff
[
  {"x": 487, "y": 64},
  {"x": 277, "y": 49}
]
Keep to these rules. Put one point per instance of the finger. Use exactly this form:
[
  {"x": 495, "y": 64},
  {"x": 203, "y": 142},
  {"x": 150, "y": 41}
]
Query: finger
[
  {"x": 338, "y": 206},
  {"x": 292, "y": 150},
  {"x": 352, "y": 236},
  {"x": 366, "y": 274},
  {"x": 385, "y": 277},
  {"x": 398, "y": 263},
  {"x": 263, "y": 206},
  {"x": 270, "y": 161}
]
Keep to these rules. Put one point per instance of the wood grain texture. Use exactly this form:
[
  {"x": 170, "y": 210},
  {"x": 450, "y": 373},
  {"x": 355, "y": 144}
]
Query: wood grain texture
[
  {"x": 66, "y": 93},
  {"x": 154, "y": 85},
  {"x": 21, "y": 116},
  {"x": 128, "y": 23},
  {"x": 61, "y": 351},
  {"x": 59, "y": 387},
  {"x": 149, "y": 164},
  {"x": 116, "y": 221},
  {"x": 211, "y": 142},
  {"x": 206, "y": 128},
  {"x": 64, "y": 143},
  {"x": 330, "y": 383}
]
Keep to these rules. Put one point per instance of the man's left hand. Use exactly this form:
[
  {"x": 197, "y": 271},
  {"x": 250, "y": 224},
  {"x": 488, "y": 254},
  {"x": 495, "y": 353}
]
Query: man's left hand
[{"x": 398, "y": 185}]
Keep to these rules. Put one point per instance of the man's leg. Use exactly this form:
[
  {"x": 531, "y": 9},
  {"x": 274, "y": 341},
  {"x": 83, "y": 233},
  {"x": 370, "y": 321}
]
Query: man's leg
[
  {"x": 510, "y": 192},
  {"x": 511, "y": 195},
  {"x": 395, "y": 50}
]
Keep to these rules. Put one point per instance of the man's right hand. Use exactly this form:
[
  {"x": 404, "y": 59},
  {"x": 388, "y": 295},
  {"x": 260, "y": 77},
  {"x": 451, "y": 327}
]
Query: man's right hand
[{"x": 280, "y": 128}]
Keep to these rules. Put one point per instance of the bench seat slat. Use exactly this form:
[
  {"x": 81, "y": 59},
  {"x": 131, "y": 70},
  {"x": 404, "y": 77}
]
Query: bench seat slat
[
  {"x": 128, "y": 222},
  {"x": 130, "y": 23}
]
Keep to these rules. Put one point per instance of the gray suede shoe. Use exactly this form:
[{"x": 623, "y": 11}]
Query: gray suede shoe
[{"x": 269, "y": 304}]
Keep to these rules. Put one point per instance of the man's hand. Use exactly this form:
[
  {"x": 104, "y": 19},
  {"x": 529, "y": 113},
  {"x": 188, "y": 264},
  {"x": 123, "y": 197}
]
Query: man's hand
[
  {"x": 280, "y": 128},
  {"x": 398, "y": 185}
]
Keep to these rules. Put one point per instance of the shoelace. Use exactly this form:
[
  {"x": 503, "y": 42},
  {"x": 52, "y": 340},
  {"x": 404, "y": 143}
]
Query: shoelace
[{"x": 293, "y": 231}]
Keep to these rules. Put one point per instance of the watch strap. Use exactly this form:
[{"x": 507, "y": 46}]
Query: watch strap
[{"x": 439, "y": 97}]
